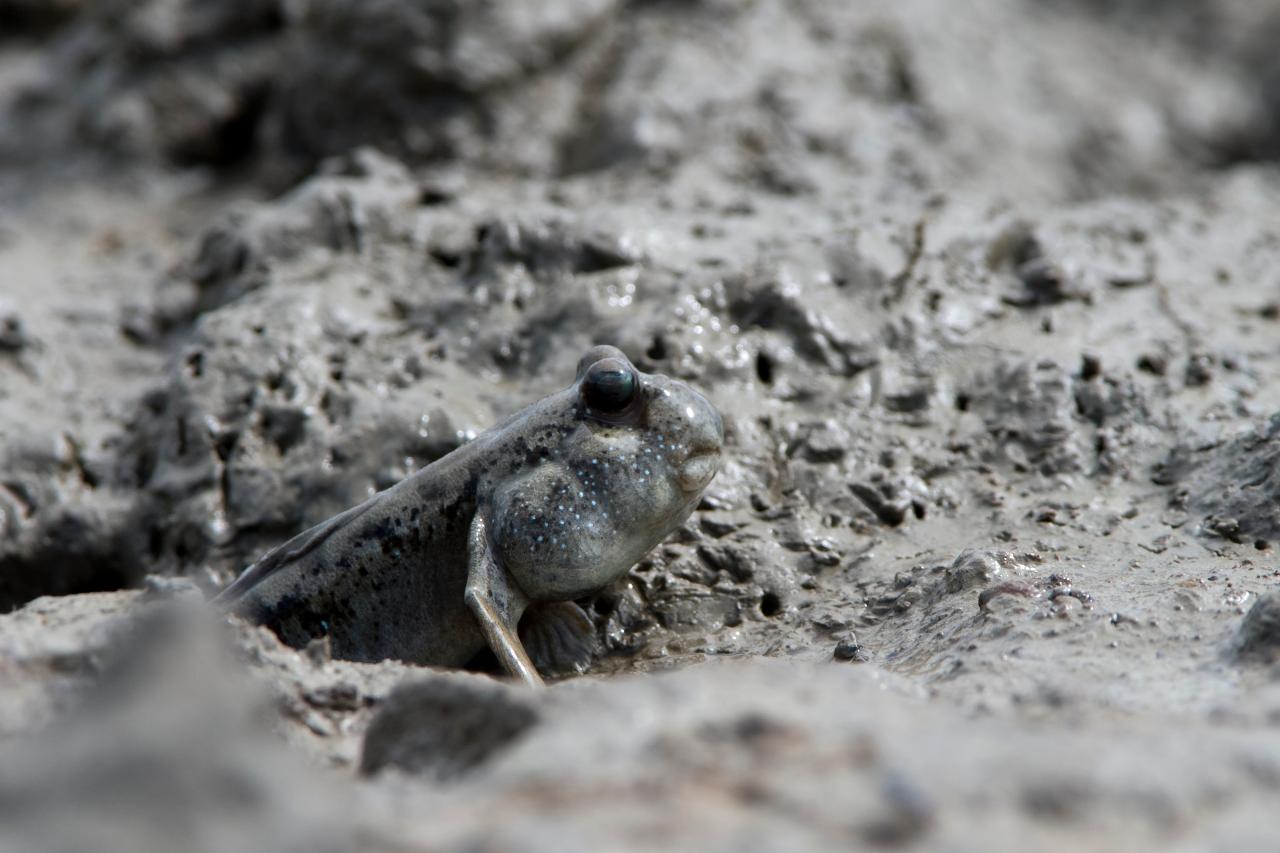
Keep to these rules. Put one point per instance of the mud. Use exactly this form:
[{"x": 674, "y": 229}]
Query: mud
[{"x": 987, "y": 296}]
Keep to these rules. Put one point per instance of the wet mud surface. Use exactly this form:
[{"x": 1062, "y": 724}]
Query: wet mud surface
[{"x": 988, "y": 299}]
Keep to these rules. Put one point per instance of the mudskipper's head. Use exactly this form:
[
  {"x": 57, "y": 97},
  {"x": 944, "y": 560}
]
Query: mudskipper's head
[
  {"x": 672, "y": 432},
  {"x": 638, "y": 453}
]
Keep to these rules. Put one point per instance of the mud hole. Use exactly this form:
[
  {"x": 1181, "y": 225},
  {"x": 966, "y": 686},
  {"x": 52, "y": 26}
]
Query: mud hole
[{"x": 987, "y": 294}]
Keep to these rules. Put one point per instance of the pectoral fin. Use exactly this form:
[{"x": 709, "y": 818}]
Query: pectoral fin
[
  {"x": 497, "y": 603},
  {"x": 560, "y": 637}
]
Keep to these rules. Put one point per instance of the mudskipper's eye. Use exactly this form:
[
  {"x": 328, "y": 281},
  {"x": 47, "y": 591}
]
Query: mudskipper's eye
[{"x": 610, "y": 385}]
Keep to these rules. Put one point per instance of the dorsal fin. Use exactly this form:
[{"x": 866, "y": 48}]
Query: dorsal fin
[{"x": 294, "y": 549}]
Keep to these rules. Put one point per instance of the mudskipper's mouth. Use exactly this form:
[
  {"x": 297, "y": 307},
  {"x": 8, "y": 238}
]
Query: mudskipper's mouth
[{"x": 698, "y": 470}]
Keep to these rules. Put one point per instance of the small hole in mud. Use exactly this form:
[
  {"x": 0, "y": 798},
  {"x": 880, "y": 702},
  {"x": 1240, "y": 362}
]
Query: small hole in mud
[
  {"x": 764, "y": 368},
  {"x": 770, "y": 604},
  {"x": 1090, "y": 366},
  {"x": 962, "y": 402},
  {"x": 145, "y": 466},
  {"x": 430, "y": 196},
  {"x": 224, "y": 444},
  {"x": 446, "y": 258},
  {"x": 658, "y": 349},
  {"x": 155, "y": 543},
  {"x": 1262, "y": 544},
  {"x": 917, "y": 509}
]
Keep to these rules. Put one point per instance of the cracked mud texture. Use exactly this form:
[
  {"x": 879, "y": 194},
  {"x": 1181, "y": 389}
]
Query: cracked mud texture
[{"x": 987, "y": 294}]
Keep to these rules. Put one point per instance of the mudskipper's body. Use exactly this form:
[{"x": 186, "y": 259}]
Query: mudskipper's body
[{"x": 554, "y": 503}]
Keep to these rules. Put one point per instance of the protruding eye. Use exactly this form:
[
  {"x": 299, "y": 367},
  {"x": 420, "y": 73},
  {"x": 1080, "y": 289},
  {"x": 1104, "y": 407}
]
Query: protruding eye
[{"x": 610, "y": 385}]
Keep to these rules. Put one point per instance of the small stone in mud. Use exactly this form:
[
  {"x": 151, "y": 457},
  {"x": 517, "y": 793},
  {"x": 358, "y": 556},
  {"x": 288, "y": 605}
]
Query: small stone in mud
[
  {"x": 1259, "y": 636},
  {"x": 848, "y": 650}
]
